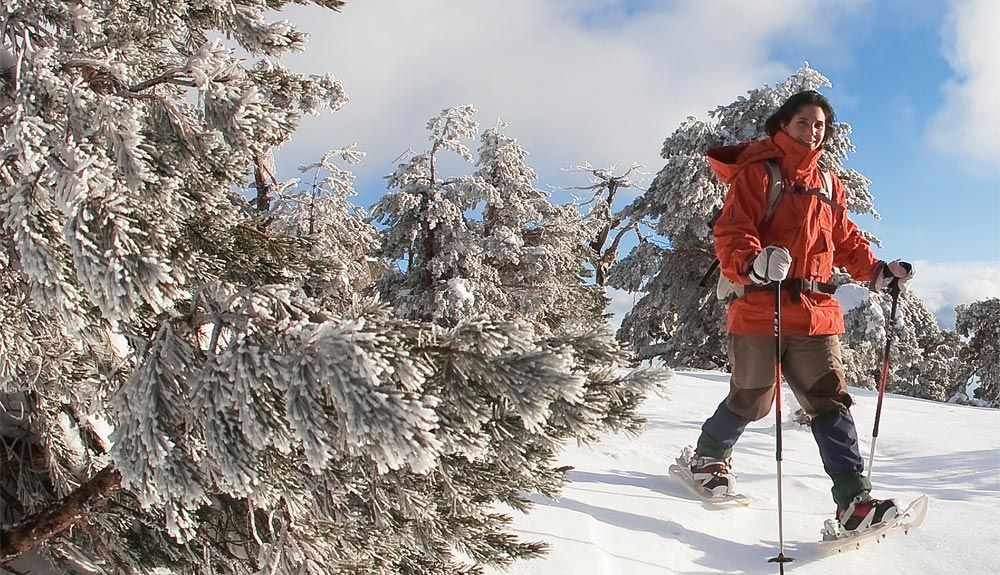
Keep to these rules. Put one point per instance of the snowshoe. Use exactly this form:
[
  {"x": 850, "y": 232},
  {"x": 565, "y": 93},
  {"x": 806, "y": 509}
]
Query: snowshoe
[
  {"x": 836, "y": 538},
  {"x": 708, "y": 478}
]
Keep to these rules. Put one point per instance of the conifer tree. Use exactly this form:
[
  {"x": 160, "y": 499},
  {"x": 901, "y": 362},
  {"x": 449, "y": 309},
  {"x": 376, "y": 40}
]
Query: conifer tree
[
  {"x": 923, "y": 358},
  {"x": 942, "y": 372},
  {"x": 487, "y": 243},
  {"x": 126, "y": 129},
  {"x": 319, "y": 214},
  {"x": 677, "y": 318},
  {"x": 425, "y": 227},
  {"x": 537, "y": 248},
  {"x": 194, "y": 383},
  {"x": 490, "y": 245},
  {"x": 980, "y": 322}
]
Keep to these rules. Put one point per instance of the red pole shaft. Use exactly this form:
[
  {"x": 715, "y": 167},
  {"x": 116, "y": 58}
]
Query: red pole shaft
[{"x": 884, "y": 376}]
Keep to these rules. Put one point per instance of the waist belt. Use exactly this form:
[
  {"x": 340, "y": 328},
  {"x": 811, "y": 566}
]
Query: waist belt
[{"x": 795, "y": 287}]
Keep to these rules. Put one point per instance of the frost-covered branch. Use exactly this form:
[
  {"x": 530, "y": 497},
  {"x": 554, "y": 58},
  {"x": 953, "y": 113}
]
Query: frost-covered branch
[{"x": 39, "y": 528}]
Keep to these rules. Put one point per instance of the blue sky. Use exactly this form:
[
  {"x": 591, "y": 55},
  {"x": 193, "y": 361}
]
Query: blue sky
[
  {"x": 888, "y": 81},
  {"x": 606, "y": 81}
]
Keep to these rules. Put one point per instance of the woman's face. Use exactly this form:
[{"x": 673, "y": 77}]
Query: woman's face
[{"x": 807, "y": 126}]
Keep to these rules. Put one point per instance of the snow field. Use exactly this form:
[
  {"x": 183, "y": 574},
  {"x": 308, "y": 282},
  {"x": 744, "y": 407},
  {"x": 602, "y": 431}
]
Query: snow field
[{"x": 622, "y": 514}]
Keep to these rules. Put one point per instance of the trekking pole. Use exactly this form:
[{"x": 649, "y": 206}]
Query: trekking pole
[
  {"x": 780, "y": 559},
  {"x": 894, "y": 290}
]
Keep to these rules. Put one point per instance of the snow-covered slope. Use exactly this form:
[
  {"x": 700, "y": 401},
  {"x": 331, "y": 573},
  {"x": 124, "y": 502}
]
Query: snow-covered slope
[{"x": 622, "y": 515}]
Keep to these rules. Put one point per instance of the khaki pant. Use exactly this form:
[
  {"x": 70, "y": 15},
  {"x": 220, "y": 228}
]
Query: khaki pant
[
  {"x": 811, "y": 364},
  {"x": 814, "y": 370}
]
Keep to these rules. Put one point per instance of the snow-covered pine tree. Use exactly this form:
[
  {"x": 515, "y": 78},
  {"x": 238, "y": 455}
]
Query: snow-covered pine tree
[
  {"x": 942, "y": 373},
  {"x": 537, "y": 248},
  {"x": 125, "y": 249},
  {"x": 485, "y": 246},
  {"x": 425, "y": 228},
  {"x": 139, "y": 291},
  {"x": 320, "y": 215},
  {"x": 938, "y": 371},
  {"x": 980, "y": 322},
  {"x": 923, "y": 359},
  {"x": 262, "y": 422},
  {"x": 678, "y": 319},
  {"x": 540, "y": 252}
]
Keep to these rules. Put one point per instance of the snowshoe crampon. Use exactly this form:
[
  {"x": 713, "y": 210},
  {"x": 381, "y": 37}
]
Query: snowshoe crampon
[{"x": 835, "y": 539}]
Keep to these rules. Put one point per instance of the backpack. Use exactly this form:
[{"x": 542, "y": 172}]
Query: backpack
[{"x": 725, "y": 289}]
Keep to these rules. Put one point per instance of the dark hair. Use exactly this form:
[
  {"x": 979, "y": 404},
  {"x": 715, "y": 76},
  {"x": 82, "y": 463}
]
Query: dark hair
[{"x": 793, "y": 104}]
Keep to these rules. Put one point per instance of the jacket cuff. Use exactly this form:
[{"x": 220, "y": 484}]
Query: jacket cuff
[{"x": 748, "y": 273}]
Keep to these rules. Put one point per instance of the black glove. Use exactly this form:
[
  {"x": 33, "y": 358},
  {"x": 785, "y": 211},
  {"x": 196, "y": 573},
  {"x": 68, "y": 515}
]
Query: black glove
[{"x": 896, "y": 271}]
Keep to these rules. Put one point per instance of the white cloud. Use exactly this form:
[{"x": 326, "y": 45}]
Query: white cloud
[
  {"x": 621, "y": 303},
  {"x": 967, "y": 122},
  {"x": 582, "y": 80},
  {"x": 943, "y": 286}
]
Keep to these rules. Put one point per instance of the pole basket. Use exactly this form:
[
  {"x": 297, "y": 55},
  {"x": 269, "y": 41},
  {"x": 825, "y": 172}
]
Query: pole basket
[{"x": 781, "y": 560}]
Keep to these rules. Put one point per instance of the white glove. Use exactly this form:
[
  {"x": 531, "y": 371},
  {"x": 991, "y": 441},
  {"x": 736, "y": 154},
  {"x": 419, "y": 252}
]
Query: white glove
[
  {"x": 885, "y": 273},
  {"x": 770, "y": 265}
]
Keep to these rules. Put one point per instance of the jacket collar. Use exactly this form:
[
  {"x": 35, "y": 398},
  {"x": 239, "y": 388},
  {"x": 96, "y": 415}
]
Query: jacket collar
[{"x": 798, "y": 160}]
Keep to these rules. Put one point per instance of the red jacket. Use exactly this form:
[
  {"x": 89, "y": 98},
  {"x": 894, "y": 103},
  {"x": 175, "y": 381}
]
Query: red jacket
[{"x": 818, "y": 236}]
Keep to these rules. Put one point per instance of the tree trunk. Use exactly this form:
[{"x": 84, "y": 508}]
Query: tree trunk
[{"x": 263, "y": 177}]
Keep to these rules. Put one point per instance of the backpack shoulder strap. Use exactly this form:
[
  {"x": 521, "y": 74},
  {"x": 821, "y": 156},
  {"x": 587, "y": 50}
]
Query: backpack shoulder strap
[
  {"x": 826, "y": 192},
  {"x": 776, "y": 183},
  {"x": 827, "y": 184}
]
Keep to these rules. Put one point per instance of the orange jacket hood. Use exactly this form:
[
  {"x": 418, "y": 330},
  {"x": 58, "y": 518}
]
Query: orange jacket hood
[{"x": 726, "y": 161}]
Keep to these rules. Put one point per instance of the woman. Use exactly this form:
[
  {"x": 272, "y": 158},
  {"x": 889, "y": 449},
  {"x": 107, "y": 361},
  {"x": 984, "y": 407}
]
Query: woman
[{"x": 797, "y": 243}]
